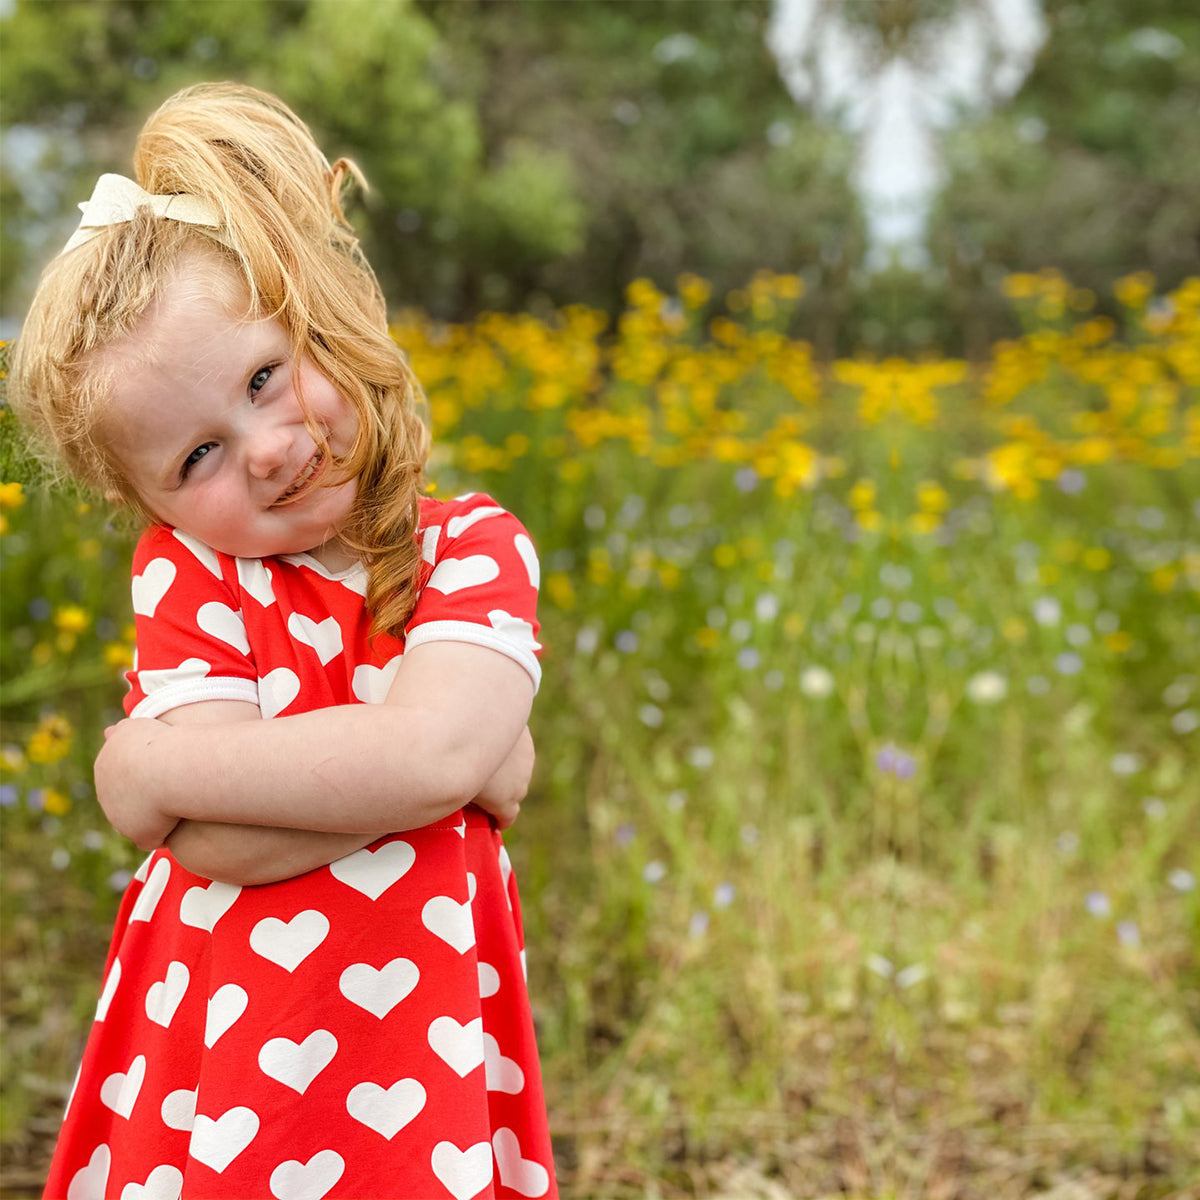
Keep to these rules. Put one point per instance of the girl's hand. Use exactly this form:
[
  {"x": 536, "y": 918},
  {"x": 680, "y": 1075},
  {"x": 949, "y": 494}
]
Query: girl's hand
[
  {"x": 125, "y": 781},
  {"x": 502, "y": 794}
]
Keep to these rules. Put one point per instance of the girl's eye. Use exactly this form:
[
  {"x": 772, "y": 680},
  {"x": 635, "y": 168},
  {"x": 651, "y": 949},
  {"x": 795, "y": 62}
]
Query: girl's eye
[
  {"x": 258, "y": 380},
  {"x": 195, "y": 456}
]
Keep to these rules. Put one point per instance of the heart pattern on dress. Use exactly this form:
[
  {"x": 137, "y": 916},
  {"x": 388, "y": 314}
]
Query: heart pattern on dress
[
  {"x": 254, "y": 578},
  {"x": 386, "y": 1110},
  {"x": 225, "y": 1008},
  {"x": 188, "y": 671},
  {"x": 325, "y": 637},
  {"x": 294, "y": 1180},
  {"x": 164, "y": 997},
  {"x": 372, "y": 684},
  {"x": 460, "y": 1047},
  {"x": 297, "y": 1064},
  {"x": 451, "y": 921},
  {"x": 203, "y": 553},
  {"x": 457, "y": 525},
  {"x": 489, "y": 980},
  {"x": 429, "y": 541},
  {"x": 110, "y": 989},
  {"x": 203, "y": 907},
  {"x": 276, "y": 690},
  {"x": 152, "y": 891},
  {"x": 379, "y": 991},
  {"x": 224, "y": 623},
  {"x": 463, "y": 1173},
  {"x": 523, "y": 1175},
  {"x": 152, "y": 585},
  {"x": 122, "y": 1088},
  {"x": 91, "y": 1182},
  {"x": 179, "y": 1109},
  {"x": 217, "y": 1142},
  {"x": 289, "y": 943},
  {"x": 453, "y": 574},
  {"x": 502, "y": 1074},
  {"x": 514, "y": 630},
  {"x": 163, "y": 1183},
  {"x": 529, "y": 558},
  {"x": 372, "y": 872}
]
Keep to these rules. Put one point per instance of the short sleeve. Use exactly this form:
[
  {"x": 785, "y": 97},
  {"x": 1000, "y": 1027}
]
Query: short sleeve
[
  {"x": 482, "y": 584},
  {"x": 191, "y": 636}
]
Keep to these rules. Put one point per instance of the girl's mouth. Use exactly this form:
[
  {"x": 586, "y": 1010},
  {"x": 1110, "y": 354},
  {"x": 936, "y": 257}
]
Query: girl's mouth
[{"x": 302, "y": 481}]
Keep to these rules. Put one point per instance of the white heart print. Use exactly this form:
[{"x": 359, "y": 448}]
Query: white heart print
[
  {"x": 325, "y": 637},
  {"x": 297, "y": 1064},
  {"x": 454, "y": 574},
  {"x": 489, "y": 980},
  {"x": 294, "y": 1180},
  {"x": 460, "y": 1047},
  {"x": 372, "y": 872},
  {"x": 372, "y": 684},
  {"x": 289, "y": 943},
  {"x": 188, "y": 671},
  {"x": 164, "y": 997},
  {"x": 276, "y": 690},
  {"x": 203, "y": 907},
  {"x": 122, "y": 1088},
  {"x": 152, "y": 585},
  {"x": 386, "y": 1111},
  {"x": 151, "y": 893},
  {"x": 450, "y": 921},
  {"x": 216, "y": 1143},
  {"x": 224, "y": 623},
  {"x": 429, "y": 541},
  {"x": 523, "y": 1175},
  {"x": 379, "y": 991},
  {"x": 529, "y": 558},
  {"x": 463, "y": 1173},
  {"x": 517, "y": 631},
  {"x": 91, "y": 1182},
  {"x": 254, "y": 577},
  {"x": 179, "y": 1109},
  {"x": 225, "y": 1008},
  {"x": 502, "y": 1074},
  {"x": 110, "y": 988},
  {"x": 457, "y": 525},
  {"x": 163, "y": 1183},
  {"x": 203, "y": 553}
]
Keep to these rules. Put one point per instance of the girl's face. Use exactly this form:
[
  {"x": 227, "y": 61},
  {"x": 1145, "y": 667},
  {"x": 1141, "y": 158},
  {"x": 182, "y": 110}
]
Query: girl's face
[{"x": 206, "y": 423}]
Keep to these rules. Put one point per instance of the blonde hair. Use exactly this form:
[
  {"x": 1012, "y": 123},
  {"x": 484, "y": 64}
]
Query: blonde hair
[{"x": 284, "y": 235}]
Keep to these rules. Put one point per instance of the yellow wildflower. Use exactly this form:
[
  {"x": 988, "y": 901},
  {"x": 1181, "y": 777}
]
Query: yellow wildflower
[
  {"x": 12, "y": 495},
  {"x": 55, "y": 802},
  {"x": 51, "y": 740}
]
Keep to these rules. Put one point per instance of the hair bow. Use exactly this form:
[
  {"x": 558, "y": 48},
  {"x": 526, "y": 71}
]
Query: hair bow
[{"x": 116, "y": 199}]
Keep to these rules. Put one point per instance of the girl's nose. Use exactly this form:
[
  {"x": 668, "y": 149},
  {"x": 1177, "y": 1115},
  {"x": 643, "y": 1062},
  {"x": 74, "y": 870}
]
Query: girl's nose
[{"x": 267, "y": 451}]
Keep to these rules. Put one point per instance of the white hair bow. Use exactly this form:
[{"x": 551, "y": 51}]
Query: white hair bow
[{"x": 116, "y": 199}]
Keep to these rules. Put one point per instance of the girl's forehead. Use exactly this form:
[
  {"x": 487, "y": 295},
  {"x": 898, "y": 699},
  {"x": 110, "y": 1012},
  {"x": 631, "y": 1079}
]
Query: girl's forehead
[{"x": 197, "y": 311}]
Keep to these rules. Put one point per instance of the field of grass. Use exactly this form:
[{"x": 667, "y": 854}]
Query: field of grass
[{"x": 861, "y": 856}]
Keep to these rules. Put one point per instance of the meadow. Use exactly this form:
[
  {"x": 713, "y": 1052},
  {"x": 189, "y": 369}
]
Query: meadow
[{"x": 861, "y": 854}]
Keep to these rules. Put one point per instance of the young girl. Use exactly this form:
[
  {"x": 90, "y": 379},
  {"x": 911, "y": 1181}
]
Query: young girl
[{"x": 211, "y": 349}]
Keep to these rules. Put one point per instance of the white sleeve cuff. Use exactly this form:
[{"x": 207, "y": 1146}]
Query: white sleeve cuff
[
  {"x": 479, "y": 635},
  {"x": 194, "y": 691}
]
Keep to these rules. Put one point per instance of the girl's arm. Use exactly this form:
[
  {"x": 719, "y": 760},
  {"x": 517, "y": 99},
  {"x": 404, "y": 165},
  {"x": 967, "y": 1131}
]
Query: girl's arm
[
  {"x": 244, "y": 854},
  {"x": 452, "y": 718},
  {"x": 247, "y": 855}
]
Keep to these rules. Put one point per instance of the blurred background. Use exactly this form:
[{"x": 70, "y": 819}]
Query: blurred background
[
  {"x": 844, "y": 361},
  {"x": 903, "y": 155}
]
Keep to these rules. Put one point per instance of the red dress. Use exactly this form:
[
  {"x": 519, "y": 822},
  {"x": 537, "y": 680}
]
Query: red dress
[{"x": 362, "y": 1030}]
